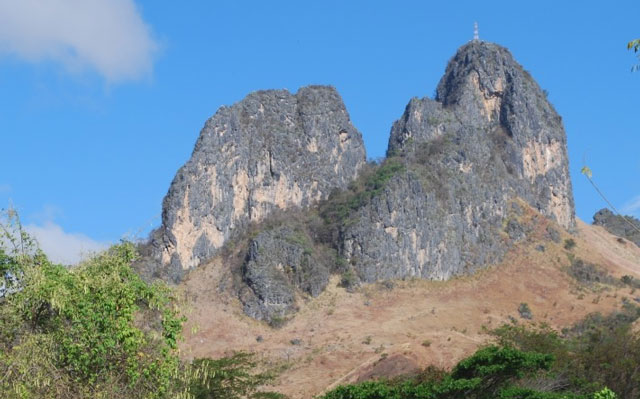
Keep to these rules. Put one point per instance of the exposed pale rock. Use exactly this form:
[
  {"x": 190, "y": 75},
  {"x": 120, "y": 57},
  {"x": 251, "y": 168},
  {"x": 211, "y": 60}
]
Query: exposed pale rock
[
  {"x": 488, "y": 138},
  {"x": 273, "y": 150},
  {"x": 448, "y": 200}
]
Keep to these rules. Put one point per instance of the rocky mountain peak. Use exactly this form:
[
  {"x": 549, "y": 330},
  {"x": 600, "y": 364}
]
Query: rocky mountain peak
[
  {"x": 480, "y": 73},
  {"x": 271, "y": 151},
  {"x": 485, "y": 92},
  {"x": 465, "y": 175},
  {"x": 486, "y": 81},
  {"x": 487, "y": 145}
]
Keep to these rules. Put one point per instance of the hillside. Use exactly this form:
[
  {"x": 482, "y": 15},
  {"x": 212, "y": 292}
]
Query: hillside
[
  {"x": 358, "y": 200},
  {"x": 284, "y": 242},
  {"x": 281, "y": 177},
  {"x": 625, "y": 227},
  {"x": 387, "y": 329}
]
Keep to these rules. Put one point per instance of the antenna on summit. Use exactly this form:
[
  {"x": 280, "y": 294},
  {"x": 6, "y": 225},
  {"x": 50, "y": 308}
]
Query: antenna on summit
[{"x": 476, "y": 36}]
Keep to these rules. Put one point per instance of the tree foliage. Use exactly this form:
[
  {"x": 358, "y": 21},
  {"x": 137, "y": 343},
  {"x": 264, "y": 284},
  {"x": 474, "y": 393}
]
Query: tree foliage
[
  {"x": 370, "y": 183},
  {"x": 101, "y": 325},
  {"x": 228, "y": 378},
  {"x": 489, "y": 373},
  {"x": 598, "y": 358},
  {"x": 599, "y": 351},
  {"x": 98, "y": 330}
]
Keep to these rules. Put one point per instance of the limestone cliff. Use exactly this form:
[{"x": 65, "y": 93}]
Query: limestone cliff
[
  {"x": 448, "y": 199},
  {"x": 489, "y": 138},
  {"x": 273, "y": 150},
  {"x": 279, "y": 262}
]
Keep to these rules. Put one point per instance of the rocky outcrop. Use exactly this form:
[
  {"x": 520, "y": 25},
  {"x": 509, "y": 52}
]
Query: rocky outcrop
[
  {"x": 484, "y": 81},
  {"x": 448, "y": 200},
  {"x": 273, "y": 150},
  {"x": 489, "y": 138},
  {"x": 279, "y": 262},
  {"x": 485, "y": 91},
  {"x": 617, "y": 225}
]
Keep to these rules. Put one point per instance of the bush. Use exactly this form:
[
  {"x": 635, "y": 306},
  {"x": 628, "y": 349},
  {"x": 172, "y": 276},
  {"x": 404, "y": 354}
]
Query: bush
[
  {"x": 569, "y": 244},
  {"x": 349, "y": 279},
  {"x": 104, "y": 330},
  {"x": 99, "y": 331},
  {"x": 529, "y": 362},
  {"x": 606, "y": 393},
  {"x": 488, "y": 373},
  {"x": 590, "y": 274},
  {"x": 599, "y": 351},
  {"x": 525, "y": 311},
  {"x": 630, "y": 281},
  {"x": 371, "y": 181},
  {"x": 228, "y": 378}
]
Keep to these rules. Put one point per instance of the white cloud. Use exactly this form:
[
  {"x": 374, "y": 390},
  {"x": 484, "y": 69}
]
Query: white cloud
[
  {"x": 63, "y": 247},
  {"x": 106, "y": 35},
  {"x": 632, "y": 207}
]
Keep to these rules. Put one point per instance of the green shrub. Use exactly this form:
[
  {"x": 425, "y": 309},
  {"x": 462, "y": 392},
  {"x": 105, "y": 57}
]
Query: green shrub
[
  {"x": 500, "y": 364},
  {"x": 630, "y": 281},
  {"x": 349, "y": 279},
  {"x": 525, "y": 311},
  {"x": 601, "y": 361},
  {"x": 569, "y": 244},
  {"x": 228, "y": 378},
  {"x": 99, "y": 331},
  {"x": 599, "y": 351},
  {"x": 278, "y": 321},
  {"x": 590, "y": 274},
  {"x": 369, "y": 184},
  {"x": 486, "y": 374},
  {"x": 101, "y": 324},
  {"x": 606, "y": 393}
]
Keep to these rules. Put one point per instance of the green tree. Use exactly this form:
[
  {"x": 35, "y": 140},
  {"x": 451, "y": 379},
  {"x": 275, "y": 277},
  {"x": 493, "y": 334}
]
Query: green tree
[
  {"x": 492, "y": 372},
  {"x": 96, "y": 330},
  {"x": 228, "y": 378}
]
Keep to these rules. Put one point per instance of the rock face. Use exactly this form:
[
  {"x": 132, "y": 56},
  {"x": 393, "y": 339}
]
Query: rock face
[
  {"x": 278, "y": 262},
  {"x": 273, "y": 150},
  {"x": 447, "y": 200},
  {"x": 618, "y": 225},
  {"x": 489, "y": 137}
]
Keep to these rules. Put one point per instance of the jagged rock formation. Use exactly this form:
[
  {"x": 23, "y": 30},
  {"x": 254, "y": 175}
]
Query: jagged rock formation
[
  {"x": 616, "y": 224},
  {"x": 278, "y": 261},
  {"x": 273, "y": 150},
  {"x": 447, "y": 200},
  {"x": 489, "y": 137}
]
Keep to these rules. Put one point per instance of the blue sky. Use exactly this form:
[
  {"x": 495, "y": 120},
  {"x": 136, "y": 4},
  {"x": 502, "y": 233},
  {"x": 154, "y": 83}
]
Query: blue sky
[{"x": 101, "y": 101}]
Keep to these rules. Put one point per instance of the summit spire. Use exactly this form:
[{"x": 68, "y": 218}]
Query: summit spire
[{"x": 476, "y": 36}]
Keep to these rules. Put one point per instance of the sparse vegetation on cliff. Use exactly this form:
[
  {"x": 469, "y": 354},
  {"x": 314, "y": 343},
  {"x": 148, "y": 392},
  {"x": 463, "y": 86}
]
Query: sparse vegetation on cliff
[{"x": 370, "y": 183}]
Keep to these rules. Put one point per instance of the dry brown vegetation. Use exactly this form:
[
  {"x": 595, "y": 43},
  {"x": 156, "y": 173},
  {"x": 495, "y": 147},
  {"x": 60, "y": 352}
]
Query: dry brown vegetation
[{"x": 376, "y": 331}]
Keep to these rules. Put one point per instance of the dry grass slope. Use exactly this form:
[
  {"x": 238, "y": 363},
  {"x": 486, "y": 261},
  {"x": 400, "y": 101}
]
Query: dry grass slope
[{"x": 377, "y": 331}]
